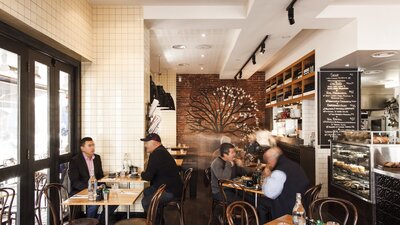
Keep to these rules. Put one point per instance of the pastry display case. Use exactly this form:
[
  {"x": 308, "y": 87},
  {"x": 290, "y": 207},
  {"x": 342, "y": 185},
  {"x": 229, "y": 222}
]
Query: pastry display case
[{"x": 352, "y": 160}]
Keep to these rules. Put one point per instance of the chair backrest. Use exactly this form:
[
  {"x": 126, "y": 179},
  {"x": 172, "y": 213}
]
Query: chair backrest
[
  {"x": 186, "y": 179},
  {"x": 247, "y": 212},
  {"x": 239, "y": 190},
  {"x": 153, "y": 207},
  {"x": 348, "y": 207},
  {"x": 62, "y": 194},
  {"x": 6, "y": 202},
  {"x": 207, "y": 176},
  {"x": 311, "y": 195},
  {"x": 40, "y": 183}
]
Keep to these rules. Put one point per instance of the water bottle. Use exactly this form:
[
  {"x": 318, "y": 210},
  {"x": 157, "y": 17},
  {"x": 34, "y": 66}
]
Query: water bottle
[
  {"x": 298, "y": 212},
  {"x": 92, "y": 188}
]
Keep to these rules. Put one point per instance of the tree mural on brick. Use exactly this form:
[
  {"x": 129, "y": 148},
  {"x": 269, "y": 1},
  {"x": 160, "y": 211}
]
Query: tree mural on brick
[{"x": 228, "y": 110}]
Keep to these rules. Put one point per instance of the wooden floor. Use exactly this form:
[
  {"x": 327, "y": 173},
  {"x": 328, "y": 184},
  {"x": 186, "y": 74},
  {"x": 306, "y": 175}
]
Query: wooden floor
[{"x": 197, "y": 210}]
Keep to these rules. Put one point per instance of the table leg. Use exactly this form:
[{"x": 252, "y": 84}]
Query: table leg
[
  {"x": 255, "y": 200},
  {"x": 129, "y": 207},
  {"x": 106, "y": 214}
]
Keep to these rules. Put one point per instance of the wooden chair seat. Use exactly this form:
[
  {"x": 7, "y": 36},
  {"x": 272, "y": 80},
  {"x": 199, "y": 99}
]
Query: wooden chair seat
[
  {"x": 83, "y": 221},
  {"x": 132, "y": 221}
]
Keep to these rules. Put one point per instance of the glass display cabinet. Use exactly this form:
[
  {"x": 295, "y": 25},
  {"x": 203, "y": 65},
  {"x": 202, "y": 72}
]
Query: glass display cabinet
[{"x": 352, "y": 161}]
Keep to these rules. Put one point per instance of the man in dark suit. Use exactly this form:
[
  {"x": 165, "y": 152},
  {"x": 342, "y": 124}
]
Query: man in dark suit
[{"x": 82, "y": 166}]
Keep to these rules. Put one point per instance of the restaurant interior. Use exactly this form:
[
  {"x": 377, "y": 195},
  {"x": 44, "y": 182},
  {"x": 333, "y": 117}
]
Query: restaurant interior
[{"x": 199, "y": 112}]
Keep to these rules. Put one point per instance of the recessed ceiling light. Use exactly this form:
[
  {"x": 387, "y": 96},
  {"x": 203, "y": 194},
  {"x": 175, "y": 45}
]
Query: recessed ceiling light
[
  {"x": 183, "y": 64},
  {"x": 202, "y": 56},
  {"x": 203, "y": 35},
  {"x": 203, "y": 46},
  {"x": 369, "y": 72},
  {"x": 384, "y": 54},
  {"x": 347, "y": 65},
  {"x": 178, "y": 46},
  {"x": 201, "y": 68}
]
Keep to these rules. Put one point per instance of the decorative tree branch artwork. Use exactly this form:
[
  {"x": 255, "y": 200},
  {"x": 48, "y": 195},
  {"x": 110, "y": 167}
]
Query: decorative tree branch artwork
[{"x": 228, "y": 110}]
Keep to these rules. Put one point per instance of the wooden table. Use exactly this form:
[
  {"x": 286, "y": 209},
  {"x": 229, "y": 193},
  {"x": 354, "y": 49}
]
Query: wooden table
[
  {"x": 283, "y": 219},
  {"x": 117, "y": 197},
  {"x": 246, "y": 189},
  {"x": 123, "y": 180},
  {"x": 179, "y": 162}
]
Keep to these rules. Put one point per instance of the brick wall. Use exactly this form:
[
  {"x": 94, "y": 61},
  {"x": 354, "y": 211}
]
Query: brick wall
[{"x": 191, "y": 84}]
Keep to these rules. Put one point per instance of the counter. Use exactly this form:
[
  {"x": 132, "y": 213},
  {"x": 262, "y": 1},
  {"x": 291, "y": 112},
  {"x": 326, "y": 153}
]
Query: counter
[{"x": 294, "y": 149}]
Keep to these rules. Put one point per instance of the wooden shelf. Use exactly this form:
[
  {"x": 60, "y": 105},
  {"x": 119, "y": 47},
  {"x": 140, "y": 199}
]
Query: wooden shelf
[
  {"x": 309, "y": 75},
  {"x": 301, "y": 82}
]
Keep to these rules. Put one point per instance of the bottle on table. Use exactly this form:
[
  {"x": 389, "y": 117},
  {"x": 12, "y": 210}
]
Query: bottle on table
[
  {"x": 298, "y": 213},
  {"x": 92, "y": 188}
]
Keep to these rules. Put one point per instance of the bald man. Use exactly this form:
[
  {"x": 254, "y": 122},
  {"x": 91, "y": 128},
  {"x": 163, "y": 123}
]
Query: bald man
[{"x": 283, "y": 179}]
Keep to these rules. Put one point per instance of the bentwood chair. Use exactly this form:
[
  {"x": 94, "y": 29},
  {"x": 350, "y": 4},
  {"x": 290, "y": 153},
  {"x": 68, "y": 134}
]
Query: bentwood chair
[
  {"x": 238, "y": 194},
  {"x": 152, "y": 211},
  {"x": 348, "y": 208},
  {"x": 247, "y": 212},
  {"x": 179, "y": 203},
  {"x": 40, "y": 183},
  {"x": 57, "y": 213},
  {"x": 6, "y": 202},
  {"x": 311, "y": 195}
]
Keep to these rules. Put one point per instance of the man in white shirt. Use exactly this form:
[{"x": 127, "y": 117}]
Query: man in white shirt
[{"x": 284, "y": 178}]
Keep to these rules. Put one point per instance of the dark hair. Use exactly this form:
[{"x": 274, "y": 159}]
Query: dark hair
[
  {"x": 224, "y": 148},
  {"x": 84, "y": 140}
]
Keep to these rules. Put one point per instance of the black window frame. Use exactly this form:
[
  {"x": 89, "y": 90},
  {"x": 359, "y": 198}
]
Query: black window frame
[{"x": 30, "y": 49}]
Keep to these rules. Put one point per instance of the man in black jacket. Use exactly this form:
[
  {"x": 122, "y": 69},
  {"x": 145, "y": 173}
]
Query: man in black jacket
[
  {"x": 161, "y": 169},
  {"x": 82, "y": 166}
]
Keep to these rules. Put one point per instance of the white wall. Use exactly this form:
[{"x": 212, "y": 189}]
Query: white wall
[
  {"x": 68, "y": 23},
  {"x": 113, "y": 86}
]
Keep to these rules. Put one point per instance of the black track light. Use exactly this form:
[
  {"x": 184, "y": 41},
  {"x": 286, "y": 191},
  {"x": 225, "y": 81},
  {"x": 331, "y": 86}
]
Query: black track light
[
  {"x": 253, "y": 59},
  {"x": 290, "y": 10},
  {"x": 262, "y": 49},
  {"x": 291, "y": 16}
]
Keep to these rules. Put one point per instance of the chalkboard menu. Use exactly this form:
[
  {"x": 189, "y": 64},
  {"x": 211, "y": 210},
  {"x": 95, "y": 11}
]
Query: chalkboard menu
[{"x": 338, "y": 103}]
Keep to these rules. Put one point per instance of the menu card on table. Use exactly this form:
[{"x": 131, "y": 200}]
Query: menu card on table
[{"x": 338, "y": 103}]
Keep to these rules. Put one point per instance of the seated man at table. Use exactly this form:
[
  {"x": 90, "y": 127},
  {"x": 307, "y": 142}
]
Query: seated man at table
[
  {"x": 226, "y": 167},
  {"x": 281, "y": 185},
  {"x": 81, "y": 168},
  {"x": 160, "y": 169}
]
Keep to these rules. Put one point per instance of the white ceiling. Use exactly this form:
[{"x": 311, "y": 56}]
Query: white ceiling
[
  {"x": 234, "y": 28},
  {"x": 170, "y": 2},
  {"x": 388, "y": 68}
]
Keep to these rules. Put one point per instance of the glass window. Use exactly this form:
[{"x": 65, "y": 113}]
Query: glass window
[
  {"x": 9, "y": 75},
  {"x": 64, "y": 113},
  {"x": 41, "y": 111}
]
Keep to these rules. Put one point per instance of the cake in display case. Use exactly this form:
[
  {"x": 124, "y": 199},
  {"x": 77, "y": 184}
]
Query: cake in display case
[{"x": 352, "y": 160}]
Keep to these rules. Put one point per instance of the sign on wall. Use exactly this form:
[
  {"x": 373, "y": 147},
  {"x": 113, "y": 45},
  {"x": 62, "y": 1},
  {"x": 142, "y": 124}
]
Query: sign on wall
[{"x": 338, "y": 103}]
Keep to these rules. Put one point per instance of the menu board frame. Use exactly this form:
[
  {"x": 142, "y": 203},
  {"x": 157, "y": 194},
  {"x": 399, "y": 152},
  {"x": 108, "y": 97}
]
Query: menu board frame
[{"x": 324, "y": 75}]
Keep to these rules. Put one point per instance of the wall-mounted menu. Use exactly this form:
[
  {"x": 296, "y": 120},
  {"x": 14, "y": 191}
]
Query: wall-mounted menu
[{"x": 338, "y": 103}]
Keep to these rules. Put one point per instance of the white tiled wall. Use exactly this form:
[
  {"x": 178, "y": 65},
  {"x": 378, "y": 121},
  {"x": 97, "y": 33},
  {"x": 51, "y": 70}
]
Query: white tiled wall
[
  {"x": 309, "y": 119},
  {"x": 68, "y": 22},
  {"x": 168, "y": 117},
  {"x": 113, "y": 86}
]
